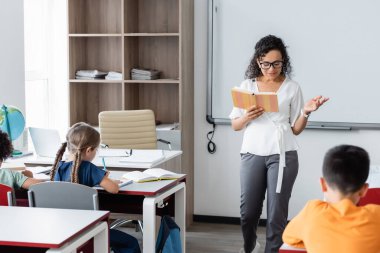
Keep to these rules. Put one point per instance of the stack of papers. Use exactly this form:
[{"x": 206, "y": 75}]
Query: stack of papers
[
  {"x": 114, "y": 76},
  {"x": 90, "y": 74},
  {"x": 144, "y": 74}
]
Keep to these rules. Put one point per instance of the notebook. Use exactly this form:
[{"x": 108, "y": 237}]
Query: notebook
[{"x": 46, "y": 142}]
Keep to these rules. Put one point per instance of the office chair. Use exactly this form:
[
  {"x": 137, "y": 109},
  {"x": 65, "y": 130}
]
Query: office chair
[
  {"x": 131, "y": 129},
  {"x": 6, "y": 195},
  {"x": 63, "y": 195}
]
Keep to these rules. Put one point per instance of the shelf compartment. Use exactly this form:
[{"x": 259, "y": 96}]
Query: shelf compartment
[
  {"x": 88, "y": 99},
  {"x": 151, "y": 34},
  {"x": 160, "y": 53},
  {"x": 154, "y": 81},
  {"x": 88, "y": 53},
  {"x": 162, "y": 98},
  {"x": 95, "y": 35},
  {"x": 151, "y": 16},
  {"x": 95, "y": 16}
]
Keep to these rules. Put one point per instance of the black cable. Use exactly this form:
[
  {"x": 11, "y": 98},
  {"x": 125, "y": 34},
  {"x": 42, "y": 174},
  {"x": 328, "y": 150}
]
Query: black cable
[{"x": 211, "y": 147}]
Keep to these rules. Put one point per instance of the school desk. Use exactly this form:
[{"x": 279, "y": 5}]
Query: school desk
[
  {"x": 149, "y": 196},
  {"x": 113, "y": 163},
  {"x": 52, "y": 230}
]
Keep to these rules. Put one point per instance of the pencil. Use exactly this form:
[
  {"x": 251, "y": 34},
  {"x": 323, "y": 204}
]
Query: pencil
[{"x": 104, "y": 164}]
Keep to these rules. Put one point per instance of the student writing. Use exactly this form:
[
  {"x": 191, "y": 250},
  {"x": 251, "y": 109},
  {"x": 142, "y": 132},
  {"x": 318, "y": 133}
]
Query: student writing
[
  {"x": 8, "y": 177},
  {"x": 82, "y": 142},
  {"x": 337, "y": 224}
]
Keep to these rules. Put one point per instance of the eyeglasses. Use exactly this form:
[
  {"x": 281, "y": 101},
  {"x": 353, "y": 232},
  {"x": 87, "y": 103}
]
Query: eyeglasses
[{"x": 275, "y": 64}]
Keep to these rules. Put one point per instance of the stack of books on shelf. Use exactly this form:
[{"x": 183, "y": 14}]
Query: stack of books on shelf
[
  {"x": 144, "y": 74},
  {"x": 112, "y": 75},
  {"x": 90, "y": 74}
]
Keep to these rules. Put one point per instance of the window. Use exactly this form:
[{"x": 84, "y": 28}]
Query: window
[{"x": 46, "y": 92}]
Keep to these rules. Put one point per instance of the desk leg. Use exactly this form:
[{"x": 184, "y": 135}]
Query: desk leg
[
  {"x": 180, "y": 214},
  {"x": 149, "y": 216}
]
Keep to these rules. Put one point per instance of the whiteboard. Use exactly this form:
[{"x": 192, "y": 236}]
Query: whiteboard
[{"x": 334, "y": 48}]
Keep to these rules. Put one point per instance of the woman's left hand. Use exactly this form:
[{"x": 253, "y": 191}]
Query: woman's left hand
[{"x": 314, "y": 103}]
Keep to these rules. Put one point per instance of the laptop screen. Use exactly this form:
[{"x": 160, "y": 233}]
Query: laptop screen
[{"x": 46, "y": 142}]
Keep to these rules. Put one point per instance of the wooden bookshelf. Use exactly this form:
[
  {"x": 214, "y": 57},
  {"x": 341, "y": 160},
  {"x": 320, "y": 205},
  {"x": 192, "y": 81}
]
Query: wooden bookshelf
[{"x": 118, "y": 35}]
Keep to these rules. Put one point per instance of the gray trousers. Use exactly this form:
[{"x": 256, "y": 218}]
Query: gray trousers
[{"x": 258, "y": 174}]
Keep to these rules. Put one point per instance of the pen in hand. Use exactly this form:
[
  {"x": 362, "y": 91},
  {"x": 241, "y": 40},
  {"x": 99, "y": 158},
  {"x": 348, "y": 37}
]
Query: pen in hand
[{"x": 104, "y": 164}]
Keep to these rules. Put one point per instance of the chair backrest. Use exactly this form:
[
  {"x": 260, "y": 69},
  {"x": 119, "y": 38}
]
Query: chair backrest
[
  {"x": 134, "y": 129},
  {"x": 6, "y": 195},
  {"x": 372, "y": 197},
  {"x": 63, "y": 195}
]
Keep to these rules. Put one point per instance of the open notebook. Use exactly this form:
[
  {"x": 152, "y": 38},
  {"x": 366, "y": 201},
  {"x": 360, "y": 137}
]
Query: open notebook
[{"x": 148, "y": 175}]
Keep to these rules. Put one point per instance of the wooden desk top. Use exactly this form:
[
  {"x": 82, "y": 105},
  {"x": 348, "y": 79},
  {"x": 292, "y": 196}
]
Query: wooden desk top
[{"x": 44, "y": 227}]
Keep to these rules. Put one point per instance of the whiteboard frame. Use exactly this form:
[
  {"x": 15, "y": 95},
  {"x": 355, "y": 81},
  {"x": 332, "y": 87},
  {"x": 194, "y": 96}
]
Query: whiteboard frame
[{"x": 225, "y": 121}]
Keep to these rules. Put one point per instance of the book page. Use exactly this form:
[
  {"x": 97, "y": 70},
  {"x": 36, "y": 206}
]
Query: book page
[
  {"x": 161, "y": 173},
  {"x": 139, "y": 177}
]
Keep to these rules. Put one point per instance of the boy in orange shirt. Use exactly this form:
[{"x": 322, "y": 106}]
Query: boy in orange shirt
[{"x": 337, "y": 224}]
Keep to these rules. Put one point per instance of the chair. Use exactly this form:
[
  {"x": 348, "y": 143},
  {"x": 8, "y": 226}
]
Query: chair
[
  {"x": 372, "y": 197},
  {"x": 6, "y": 195},
  {"x": 132, "y": 129},
  {"x": 63, "y": 195}
]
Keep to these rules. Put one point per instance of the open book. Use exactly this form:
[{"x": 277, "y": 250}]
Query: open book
[
  {"x": 151, "y": 175},
  {"x": 244, "y": 99}
]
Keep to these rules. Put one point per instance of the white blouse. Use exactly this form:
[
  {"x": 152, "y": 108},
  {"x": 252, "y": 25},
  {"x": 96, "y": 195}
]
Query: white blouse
[{"x": 271, "y": 133}]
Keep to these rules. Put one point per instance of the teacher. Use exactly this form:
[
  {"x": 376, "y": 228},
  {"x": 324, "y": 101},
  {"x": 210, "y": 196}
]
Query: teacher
[{"x": 269, "y": 160}]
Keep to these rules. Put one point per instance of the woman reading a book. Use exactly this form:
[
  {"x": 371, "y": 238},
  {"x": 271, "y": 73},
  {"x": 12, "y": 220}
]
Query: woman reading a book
[{"x": 269, "y": 161}]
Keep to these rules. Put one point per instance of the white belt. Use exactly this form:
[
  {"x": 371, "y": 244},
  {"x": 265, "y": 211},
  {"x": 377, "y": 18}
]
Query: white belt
[{"x": 281, "y": 129}]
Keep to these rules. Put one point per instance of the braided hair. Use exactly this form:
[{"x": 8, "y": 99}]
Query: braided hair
[{"x": 80, "y": 137}]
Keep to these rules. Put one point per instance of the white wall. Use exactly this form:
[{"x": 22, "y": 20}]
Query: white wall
[
  {"x": 12, "y": 84},
  {"x": 217, "y": 188}
]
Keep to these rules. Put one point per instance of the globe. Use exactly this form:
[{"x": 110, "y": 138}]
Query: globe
[{"x": 11, "y": 121}]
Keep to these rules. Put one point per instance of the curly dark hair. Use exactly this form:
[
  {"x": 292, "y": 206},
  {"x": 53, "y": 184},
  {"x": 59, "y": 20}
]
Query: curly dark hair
[
  {"x": 6, "y": 147},
  {"x": 263, "y": 46}
]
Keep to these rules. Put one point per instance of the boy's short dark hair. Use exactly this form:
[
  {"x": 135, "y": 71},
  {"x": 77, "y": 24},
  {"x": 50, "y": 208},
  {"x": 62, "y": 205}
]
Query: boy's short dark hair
[
  {"x": 6, "y": 147},
  {"x": 346, "y": 168}
]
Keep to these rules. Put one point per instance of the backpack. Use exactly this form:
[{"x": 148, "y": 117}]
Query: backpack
[
  {"x": 169, "y": 238},
  {"x": 121, "y": 242}
]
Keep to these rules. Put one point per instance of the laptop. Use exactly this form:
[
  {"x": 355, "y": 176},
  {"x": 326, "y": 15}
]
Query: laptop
[{"x": 46, "y": 142}]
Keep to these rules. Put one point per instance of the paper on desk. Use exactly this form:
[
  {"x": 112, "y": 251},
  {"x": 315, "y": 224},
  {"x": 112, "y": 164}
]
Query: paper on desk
[
  {"x": 40, "y": 172},
  {"x": 144, "y": 156},
  {"x": 113, "y": 152}
]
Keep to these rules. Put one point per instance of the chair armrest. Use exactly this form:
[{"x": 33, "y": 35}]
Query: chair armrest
[{"x": 166, "y": 142}]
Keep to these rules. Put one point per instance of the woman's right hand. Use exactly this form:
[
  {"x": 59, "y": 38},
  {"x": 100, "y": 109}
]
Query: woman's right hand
[
  {"x": 250, "y": 114},
  {"x": 253, "y": 113}
]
